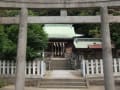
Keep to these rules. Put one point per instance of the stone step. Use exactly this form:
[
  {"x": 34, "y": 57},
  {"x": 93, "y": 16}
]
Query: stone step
[
  {"x": 62, "y": 80},
  {"x": 60, "y": 68},
  {"x": 63, "y": 83},
  {"x": 61, "y": 86},
  {"x": 60, "y": 64}
]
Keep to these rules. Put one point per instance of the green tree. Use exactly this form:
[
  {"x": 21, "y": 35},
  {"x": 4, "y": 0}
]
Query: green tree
[
  {"x": 5, "y": 13},
  {"x": 95, "y": 32},
  {"x": 115, "y": 34},
  {"x": 7, "y": 47},
  {"x": 37, "y": 38},
  {"x": 37, "y": 41}
]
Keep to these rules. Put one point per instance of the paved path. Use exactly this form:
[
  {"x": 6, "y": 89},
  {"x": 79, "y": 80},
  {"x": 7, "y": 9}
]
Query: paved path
[
  {"x": 63, "y": 74},
  {"x": 33, "y": 88}
]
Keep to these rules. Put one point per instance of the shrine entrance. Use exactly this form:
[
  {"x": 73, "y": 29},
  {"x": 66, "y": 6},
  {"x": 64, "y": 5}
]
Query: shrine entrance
[
  {"x": 60, "y": 46},
  {"x": 63, "y": 5}
]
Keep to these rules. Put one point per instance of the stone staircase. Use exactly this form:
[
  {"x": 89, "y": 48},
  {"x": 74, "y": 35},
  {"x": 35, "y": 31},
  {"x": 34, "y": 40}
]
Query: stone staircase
[
  {"x": 63, "y": 83},
  {"x": 60, "y": 79},
  {"x": 63, "y": 79},
  {"x": 60, "y": 64}
]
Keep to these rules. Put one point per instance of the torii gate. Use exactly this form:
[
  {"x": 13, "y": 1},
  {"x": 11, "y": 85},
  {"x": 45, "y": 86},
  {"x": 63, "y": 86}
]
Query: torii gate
[{"x": 24, "y": 5}]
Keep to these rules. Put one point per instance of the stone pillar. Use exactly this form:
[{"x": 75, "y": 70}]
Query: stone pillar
[
  {"x": 107, "y": 53},
  {"x": 21, "y": 50},
  {"x": 63, "y": 12}
]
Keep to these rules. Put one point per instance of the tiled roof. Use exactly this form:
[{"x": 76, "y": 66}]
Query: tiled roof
[
  {"x": 60, "y": 31},
  {"x": 87, "y": 43}
]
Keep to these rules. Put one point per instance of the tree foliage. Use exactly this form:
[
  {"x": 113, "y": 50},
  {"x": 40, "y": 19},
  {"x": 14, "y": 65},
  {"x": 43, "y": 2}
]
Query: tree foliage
[
  {"x": 36, "y": 38},
  {"x": 7, "y": 47},
  {"x": 36, "y": 41},
  {"x": 115, "y": 34}
]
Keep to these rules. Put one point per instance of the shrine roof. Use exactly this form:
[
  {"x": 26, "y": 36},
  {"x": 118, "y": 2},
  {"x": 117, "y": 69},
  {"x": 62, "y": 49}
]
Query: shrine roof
[
  {"x": 87, "y": 43},
  {"x": 60, "y": 31}
]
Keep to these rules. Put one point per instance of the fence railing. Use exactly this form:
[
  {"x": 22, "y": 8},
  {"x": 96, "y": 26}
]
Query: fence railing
[
  {"x": 94, "y": 68},
  {"x": 34, "y": 69}
]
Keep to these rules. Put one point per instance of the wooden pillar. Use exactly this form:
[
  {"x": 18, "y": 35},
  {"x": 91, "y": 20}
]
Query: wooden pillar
[
  {"x": 107, "y": 53},
  {"x": 52, "y": 46},
  {"x": 21, "y": 50}
]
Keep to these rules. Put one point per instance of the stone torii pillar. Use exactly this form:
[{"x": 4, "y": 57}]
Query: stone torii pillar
[
  {"x": 21, "y": 50},
  {"x": 63, "y": 12},
  {"x": 107, "y": 53}
]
